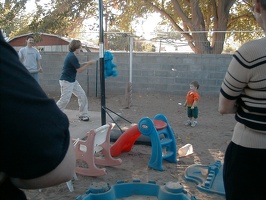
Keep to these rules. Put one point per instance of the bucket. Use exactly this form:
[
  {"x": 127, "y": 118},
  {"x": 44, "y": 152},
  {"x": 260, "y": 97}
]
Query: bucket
[{"x": 185, "y": 150}]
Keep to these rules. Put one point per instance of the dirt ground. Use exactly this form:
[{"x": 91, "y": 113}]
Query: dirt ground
[{"x": 209, "y": 140}]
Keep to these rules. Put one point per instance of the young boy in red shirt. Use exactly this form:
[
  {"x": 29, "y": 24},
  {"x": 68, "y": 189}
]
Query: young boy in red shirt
[{"x": 191, "y": 103}]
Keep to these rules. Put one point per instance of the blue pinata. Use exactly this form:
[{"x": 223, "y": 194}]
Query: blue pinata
[{"x": 109, "y": 65}]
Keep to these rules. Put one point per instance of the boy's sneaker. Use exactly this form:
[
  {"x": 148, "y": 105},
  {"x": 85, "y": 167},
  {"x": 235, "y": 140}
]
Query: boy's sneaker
[
  {"x": 84, "y": 118},
  {"x": 194, "y": 123},
  {"x": 188, "y": 122}
]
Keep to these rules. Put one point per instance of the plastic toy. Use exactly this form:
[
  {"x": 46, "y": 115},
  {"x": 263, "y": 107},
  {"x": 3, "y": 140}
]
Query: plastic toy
[
  {"x": 109, "y": 65},
  {"x": 125, "y": 142},
  {"x": 162, "y": 140},
  {"x": 208, "y": 177},
  {"x": 169, "y": 191},
  {"x": 98, "y": 140}
]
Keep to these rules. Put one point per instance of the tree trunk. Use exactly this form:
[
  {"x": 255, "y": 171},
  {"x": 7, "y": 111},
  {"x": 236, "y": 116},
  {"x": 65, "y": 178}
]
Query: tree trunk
[{"x": 200, "y": 39}]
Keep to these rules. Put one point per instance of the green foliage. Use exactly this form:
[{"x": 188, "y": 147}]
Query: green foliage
[
  {"x": 242, "y": 23},
  {"x": 148, "y": 47},
  {"x": 228, "y": 49},
  {"x": 64, "y": 18},
  {"x": 118, "y": 41},
  {"x": 193, "y": 19},
  {"x": 202, "y": 23},
  {"x": 10, "y": 12}
]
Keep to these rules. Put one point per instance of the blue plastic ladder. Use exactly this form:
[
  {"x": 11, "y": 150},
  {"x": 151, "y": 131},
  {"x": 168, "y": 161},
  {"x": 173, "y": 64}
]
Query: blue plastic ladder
[{"x": 162, "y": 140}]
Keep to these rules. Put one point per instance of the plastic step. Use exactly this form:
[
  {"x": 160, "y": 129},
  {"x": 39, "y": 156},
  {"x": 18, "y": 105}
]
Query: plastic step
[
  {"x": 165, "y": 141},
  {"x": 168, "y": 154}
]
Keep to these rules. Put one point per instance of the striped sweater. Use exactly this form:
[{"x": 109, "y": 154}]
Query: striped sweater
[{"x": 245, "y": 81}]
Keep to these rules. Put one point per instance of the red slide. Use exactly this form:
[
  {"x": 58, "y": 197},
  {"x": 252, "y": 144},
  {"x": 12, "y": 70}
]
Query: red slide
[{"x": 125, "y": 142}]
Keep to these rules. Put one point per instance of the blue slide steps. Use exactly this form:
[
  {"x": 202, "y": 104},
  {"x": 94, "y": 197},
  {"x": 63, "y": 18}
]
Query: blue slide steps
[
  {"x": 162, "y": 140},
  {"x": 209, "y": 178}
]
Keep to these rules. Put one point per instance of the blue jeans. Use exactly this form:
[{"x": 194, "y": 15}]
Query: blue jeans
[{"x": 35, "y": 76}]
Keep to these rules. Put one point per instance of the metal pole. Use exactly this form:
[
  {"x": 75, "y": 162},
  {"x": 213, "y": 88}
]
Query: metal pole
[
  {"x": 96, "y": 77},
  {"x": 130, "y": 71},
  {"x": 131, "y": 58},
  {"x": 101, "y": 59},
  {"x": 129, "y": 85}
]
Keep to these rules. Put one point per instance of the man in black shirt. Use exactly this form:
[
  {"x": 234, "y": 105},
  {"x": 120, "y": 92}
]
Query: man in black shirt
[{"x": 36, "y": 149}]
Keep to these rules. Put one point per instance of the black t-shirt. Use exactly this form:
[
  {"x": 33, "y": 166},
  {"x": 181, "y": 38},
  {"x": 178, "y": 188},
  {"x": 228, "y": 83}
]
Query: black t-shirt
[
  {"x": 71, "y": 64},
  {"x": 34, "y": 132}
]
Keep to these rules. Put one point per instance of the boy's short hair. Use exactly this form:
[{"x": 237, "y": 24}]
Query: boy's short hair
[
  {"x": 195, "y": 83},
  {"x": 30, "y": 36},
  {"x": 74, "y": 45}
]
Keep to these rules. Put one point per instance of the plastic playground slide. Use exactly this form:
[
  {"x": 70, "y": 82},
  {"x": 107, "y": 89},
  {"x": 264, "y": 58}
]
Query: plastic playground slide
[{"x": 125, "y": 142}]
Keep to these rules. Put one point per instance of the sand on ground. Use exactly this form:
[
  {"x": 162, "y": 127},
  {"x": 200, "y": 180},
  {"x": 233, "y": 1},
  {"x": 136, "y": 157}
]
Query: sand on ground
[{"x": 209, "y": 140}]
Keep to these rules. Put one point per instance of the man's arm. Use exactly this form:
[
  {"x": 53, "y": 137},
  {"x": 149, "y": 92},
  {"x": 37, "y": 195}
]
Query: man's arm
[
  {"x": 20, "y": 55},
  {"x": 195, "y": 103},
  {"x": 85, "y": 65},
  {"x": 185, "y": 104},
  {"x": 39, "y": 65},
  {"x": 62, "y": 173},
  {"x": 226, "y": 106}
]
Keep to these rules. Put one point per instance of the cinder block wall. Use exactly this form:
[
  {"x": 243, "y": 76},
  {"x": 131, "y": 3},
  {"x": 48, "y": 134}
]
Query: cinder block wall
[{"x": 151, "y": 72}]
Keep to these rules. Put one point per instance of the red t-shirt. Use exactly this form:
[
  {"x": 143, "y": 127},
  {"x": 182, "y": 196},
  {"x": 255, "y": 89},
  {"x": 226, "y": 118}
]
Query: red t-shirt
[{"x": 191, "y": 97}]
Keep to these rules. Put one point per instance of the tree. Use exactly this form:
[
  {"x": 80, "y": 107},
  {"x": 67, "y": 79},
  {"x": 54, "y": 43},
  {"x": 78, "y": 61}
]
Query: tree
[
  {"x": 64, "y": 18},
  {"x": 148, "y": 47},
  {"x": 9, "y": 13},
  {"x": 202, "y": 23},
  {"x": 118, "y": 41}
]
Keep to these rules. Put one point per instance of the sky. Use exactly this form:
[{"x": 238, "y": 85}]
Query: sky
[
  {"x": 148, "y": 26},
  {"x": 30, "y": 5}
]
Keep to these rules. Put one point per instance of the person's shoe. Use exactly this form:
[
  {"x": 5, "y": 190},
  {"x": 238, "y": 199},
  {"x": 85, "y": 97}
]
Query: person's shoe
[
  {"x": 188, "y": 122},
  {"x": 194, "y": 123},
  {"x": 84, "y": 118}
]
